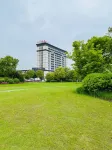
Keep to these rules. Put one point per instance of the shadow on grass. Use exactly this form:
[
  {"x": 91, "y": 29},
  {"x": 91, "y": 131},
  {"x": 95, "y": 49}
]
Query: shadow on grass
[{"x": 104, "y": 95}]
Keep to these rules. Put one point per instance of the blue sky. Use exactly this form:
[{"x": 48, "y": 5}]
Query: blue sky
[{"x": 60, "y": 22}]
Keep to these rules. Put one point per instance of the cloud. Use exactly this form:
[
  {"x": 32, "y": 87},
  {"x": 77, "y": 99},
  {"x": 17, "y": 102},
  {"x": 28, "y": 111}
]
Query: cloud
[
  {"x": 60, "y": 15},
  {"x": 36, "y": 8},
  {"x": 60, "y": 22}
]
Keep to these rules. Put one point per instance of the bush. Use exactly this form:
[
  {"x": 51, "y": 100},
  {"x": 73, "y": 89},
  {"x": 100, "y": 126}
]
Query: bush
[
  {"x": 2, "y": 80},
  {"x": 50, "y": 77},
  {"x": 97, "y": 82},
  {"x": 80, "y": 90},
  {"x": 10, "y": 81},
  {"x": 6, "y": 79},
  {"x": 16, "y": 80},
  {"x": 19, "y": 75}
]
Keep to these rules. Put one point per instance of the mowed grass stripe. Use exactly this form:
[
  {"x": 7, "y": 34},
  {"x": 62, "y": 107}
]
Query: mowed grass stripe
[{"x": 52, "y": 116}]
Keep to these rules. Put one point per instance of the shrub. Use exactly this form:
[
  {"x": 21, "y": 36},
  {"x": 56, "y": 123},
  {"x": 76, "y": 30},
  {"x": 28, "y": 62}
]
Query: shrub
[
  {"x": 97, "y": 82},
  {"x": 10, "y": 81},
  {"x": 80, "y": 90},
  {"x": 50, "y": 77},
  {"x": 16, "y": 80},
  {"x": 6, "y": 79},
  {"x": 2, "y": 80}
]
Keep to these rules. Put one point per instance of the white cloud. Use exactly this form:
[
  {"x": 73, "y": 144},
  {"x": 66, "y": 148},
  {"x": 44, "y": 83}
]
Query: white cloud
[
  {"x": 60, "y": 22},
  {"x": 36, "y": 8}
]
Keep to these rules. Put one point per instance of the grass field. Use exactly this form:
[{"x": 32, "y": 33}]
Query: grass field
[{"x": 51, "y": 116}]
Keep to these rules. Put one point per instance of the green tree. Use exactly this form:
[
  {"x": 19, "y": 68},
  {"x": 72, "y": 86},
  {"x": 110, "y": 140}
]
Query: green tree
[
  {"x": 73, "y": 76},
  {"x": 86, "y": 58},
  {"x": 40, "y": 74},
  {"x": 59, "y": 74},
  {"x": 8, "y": 66},
  {"x": 67, "y": 73},
  {"x": 35, "y": 75},
  {"x": 103, "y": 43},
  {"x": 50, "y": 76},
  {"x": 29, "y": 74},
  {"x": 19, "y": 75},
  {"x": 110, "y": 31},
  {"x": 70, "y": 75}
]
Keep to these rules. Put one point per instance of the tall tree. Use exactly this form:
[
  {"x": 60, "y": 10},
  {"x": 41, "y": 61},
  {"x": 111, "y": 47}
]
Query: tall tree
[
  {"x": 104, "y": 44},
  {"x": 88, "y": 57},
  {"x": 29, "y": 74},
  {"x": 50, "y": 76},
  {"x": 8, "y": 65},
  {"x": 59, "y": 74},
  {"x": 40, "y": 74},
  {"x": 110, "y": 31}
]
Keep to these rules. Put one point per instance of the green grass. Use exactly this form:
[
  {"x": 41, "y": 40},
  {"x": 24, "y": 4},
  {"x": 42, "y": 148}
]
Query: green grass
[{"x": 51, "y": 116}]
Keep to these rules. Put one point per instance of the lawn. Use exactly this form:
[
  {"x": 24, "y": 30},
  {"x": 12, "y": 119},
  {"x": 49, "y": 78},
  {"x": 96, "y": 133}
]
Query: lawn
[{"x": 51, "y": 116}]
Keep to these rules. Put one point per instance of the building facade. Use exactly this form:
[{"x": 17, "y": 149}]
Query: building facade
[{"x": 50, "y": 57}]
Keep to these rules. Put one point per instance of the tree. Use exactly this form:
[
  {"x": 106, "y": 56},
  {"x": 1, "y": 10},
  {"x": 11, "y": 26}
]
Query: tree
[
  {"x": 110, "y": 31},
  {"x": 70, "y": 75},
  {"x": 8, "y": 65},
  {"x": 40, "y": 74},
  {"x": 29, "y": 74},
  {"x": 104, "y": 44},
  {"x": 73, "y": 76},
  {"x": 59, "y": 74},
  {"x": 19, "y": 75},
  {"x": 88, "y": 57},
  {"x": 35, "y": 75},
  {"x": 50, "y": 76},
  {"x": 67, "y": 70}
]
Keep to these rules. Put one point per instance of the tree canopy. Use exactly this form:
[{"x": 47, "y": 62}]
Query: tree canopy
[
  {"x": 29, "y": 74},
  {"x": 40, "y": 74},
  {"x": 94, "y": 56},
  {"x": 8, "y": 66}
]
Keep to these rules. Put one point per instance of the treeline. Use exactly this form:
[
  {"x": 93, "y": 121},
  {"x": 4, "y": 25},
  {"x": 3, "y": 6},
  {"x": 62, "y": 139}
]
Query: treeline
[
  {"x": 62, "y": 75},
  {"x": 34, "y": 74},
  {"x": 10, "y": 74}
]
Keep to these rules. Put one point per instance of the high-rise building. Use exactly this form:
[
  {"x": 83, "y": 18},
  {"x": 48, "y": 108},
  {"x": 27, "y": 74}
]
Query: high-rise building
[{"x": 49, "y": 57}]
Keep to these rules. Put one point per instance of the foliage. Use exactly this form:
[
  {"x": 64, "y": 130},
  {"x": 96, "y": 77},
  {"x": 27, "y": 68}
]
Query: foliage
[
  {"x": 94, "y": 56},
  {"x": 105, "y": 45},
  {"x": 40, "y": 74},
  {"x": 10, "y": 81},
  {"x": 59, "y": 74},
  {"x": 62, "y": 74},
  {"x": 70, "y": 75},
  {"x": 29, "y": 74},
  {"x": 2, "y": 80},
  {"x": 80, "y": 90},
  {"x": 16, "y": 80},
  {"x": 50, "y": 77},
  {"x": 19, "y": 75},
  {"x": 106, "y": 95},
  {"x": 8, "y": 65},
  {"x": 110, "y": 31},
  {"x": 96, "y": 82},
  {"x": 35, "y": 75}
]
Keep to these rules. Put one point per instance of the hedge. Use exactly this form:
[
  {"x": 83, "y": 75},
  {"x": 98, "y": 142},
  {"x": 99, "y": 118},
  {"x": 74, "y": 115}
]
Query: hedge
[
  {"x": 97, "y": 82},
  {"x": 9, "y": 80}
]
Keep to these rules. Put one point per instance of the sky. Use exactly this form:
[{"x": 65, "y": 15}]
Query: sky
[{"x": 60, "y": 22}]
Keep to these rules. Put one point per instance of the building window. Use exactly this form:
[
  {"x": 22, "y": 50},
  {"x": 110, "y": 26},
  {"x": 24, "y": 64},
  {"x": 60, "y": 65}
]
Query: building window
[{"x": 41, "y": 48}]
